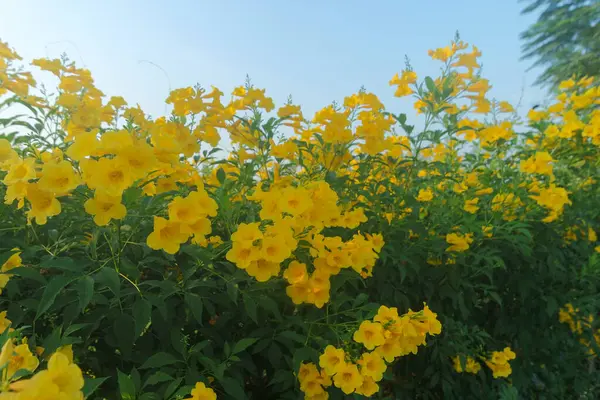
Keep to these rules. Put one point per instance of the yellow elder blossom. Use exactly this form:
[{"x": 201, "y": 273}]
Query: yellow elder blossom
[
  {"x": 105, "y": 208},
  {"x": 348, "y": 378},
  {"x": 459, "y": 242},
  {"x": 499, "y": 363},
  {"x": 425, "y": 195},
  {"x": 61, "y": 380},
  {"x": 332, "y": 360},
  {"x": 167, "y": 235},
  {"x": 201, "y": 392},
  {"x": 370, "y": 334},
  {"x": 471, "y": 365}
]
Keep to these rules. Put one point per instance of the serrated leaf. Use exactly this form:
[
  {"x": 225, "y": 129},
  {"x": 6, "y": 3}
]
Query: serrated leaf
[
  {"x": 233, "y": 388},
  {"x": 172, "y": 388},
  {"x": 194, "y": 304},
  {"x": 293, "y": 336},
  {"x": 85, "y": 291},
  {"x": 159, "y": 360},
  {"x": 110, "y": 278},
  {"x": 243, "y": 345},
  {"x": 126, "y": 386},
  {"x": 142, "y": 311},
  {"x": 91, "y": 384},
  {"x": 57, "y": 284},
  {"x": 221, "y": 176},
  {"x": 29, "y": 273},
  {"x": 250, "y": 306},
  {"x": 232, "y": 292},
  {"x": 158, "y": 377}
]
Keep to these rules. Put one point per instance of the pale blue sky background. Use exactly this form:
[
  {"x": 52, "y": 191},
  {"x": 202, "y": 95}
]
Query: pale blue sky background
[{"x": 317, "y": 51}]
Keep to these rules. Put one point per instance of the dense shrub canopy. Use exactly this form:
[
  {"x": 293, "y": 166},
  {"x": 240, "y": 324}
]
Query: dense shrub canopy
[{"x": 347, "y": 254}]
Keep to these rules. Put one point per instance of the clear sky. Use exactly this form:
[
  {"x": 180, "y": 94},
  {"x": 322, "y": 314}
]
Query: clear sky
[{"x": 317, "y": 51}]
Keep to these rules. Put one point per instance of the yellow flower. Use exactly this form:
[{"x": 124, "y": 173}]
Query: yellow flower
[
  {"x": 471, "y": 365},
  {"x": 332, "y": 360},
  {"x": 538, "y": 164},
  {"x": 109, "y": 175},
  {"x": 458, "y": 241},
  {"x": 372, "y": 365},
  {"x": 59, "y": 178},
  {"x": 262, "y": 270},
  {"x": 368, "y": 387},
  {"x": 242, "y": 256},
  {"x": 274, "y": 250},
  {"x": 140, "y": 157},
  {"x": 471, "y": 205},
  {"x": 104, "y": 208},
  {"x": 43, "y": 204},
  {"x": 386, "y": 315},
  {"x": 7, "y": 153},
  {"x": 296, "y": 273},
  {"x": 21, "y": 170},
  {"x": 62, "y": 380},
  {"x": 67, "y": 351},
  {"x": 22, "y": 358},
  {"x": 86, "y": 144},
  {"x": 348, "y": 379},
  {"x": 167, "y": 235},
  {"x": 4, "y": 324},
  {"x": 370, "y": 334},
  {"x": 201, "y": 392},
  {"x": 425, "y": 195}
]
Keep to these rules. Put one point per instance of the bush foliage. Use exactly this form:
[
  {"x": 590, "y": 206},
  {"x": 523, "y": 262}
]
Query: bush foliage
[{"x": 347, "y": 255}]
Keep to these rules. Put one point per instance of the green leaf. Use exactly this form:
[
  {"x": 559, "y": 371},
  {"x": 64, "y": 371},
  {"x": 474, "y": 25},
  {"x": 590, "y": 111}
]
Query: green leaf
[
  {"x": 91, "y": 384},
  {"x": 126, "y": 386},
  {"x": 159, "y": 360},
  {"x": 360, "y": 299},
  {"x": 293, "y": 336},
  {"x": 61, "y": 263},
  {"x": 110, "y": 278},
  {"x": 431, "y": 85},
  {"x": 221, "y": 176},
  {"x": 194, "y": 304},
  {"x": 149, "y": 396},
  {"x": 243, "y": 345},
  {"x": 158, "y": 377},
  {"x": 85, "y": 291},
  {"x": 250, "y": 306},
  {"x": 142, "y": 311},
  {"x": 172, "y": 388},
  {"x": 233, "y": 388},
  {"x": 232, "y": 292},
  {"x": 199, "y": 346},
  {"x": 183, "y": 392},
  {"x": 57, "y": 284},
  {"x": 29, "y": 273}
]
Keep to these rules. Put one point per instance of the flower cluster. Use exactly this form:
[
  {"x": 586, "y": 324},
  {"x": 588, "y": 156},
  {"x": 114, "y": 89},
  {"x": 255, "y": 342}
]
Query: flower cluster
[
  {"x": 62, "y": 379},
  {"x": 580, "y": 326},
  {"x": 499, "y": 362},
  {"x": 471, "y": 365},
  {"x": 386, "y": 338}
]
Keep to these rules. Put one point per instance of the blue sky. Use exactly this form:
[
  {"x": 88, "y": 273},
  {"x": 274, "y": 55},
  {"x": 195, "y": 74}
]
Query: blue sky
[{"x": 317, "y": 51}]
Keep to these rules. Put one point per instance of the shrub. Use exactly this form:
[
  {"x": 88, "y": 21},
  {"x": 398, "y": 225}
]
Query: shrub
[{"x": 349, "y": 253}]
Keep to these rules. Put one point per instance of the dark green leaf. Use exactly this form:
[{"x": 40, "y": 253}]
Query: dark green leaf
[
  {"x": 142, "y": 311},
  {"x": 194, "y": 304},
  {"x": 85, "y": 291},
  {"x": 159, "y": 360},
  {"x": 243, "y": 345},
  {"x": 57, "y": 284},
  {"x": 91, "y": 384},
  {"x": 126, "y": 386}
]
